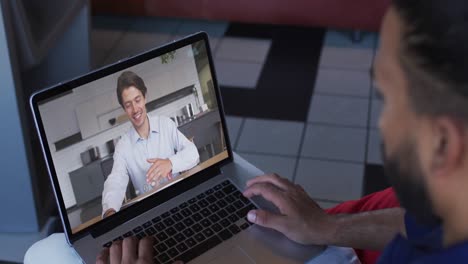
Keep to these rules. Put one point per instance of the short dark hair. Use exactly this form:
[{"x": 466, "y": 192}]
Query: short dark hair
[
  {"x": 127, "y": 79},
  {"x": 434, "y": 55}
]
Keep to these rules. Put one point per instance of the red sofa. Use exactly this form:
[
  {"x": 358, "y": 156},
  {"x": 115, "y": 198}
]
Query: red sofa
[{"x": 342, "y": 14}]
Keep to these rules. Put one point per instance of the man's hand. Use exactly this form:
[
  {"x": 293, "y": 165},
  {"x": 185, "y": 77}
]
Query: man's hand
[
  {"x": 160, "y": 168},
  {"x": 130, "y": 250},
  {"x": 300, "y": 218}
]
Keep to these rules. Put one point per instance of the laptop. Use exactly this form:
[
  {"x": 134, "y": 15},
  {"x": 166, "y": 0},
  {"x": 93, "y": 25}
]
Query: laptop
[{"x": 95, "y": 151}]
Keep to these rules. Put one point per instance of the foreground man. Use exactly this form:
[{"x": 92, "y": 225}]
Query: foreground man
[{"x": 422, "y": 73}]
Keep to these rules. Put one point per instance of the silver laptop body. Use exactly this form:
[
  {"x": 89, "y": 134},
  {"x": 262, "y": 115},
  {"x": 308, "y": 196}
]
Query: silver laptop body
[{"x": 88, "y": 236}]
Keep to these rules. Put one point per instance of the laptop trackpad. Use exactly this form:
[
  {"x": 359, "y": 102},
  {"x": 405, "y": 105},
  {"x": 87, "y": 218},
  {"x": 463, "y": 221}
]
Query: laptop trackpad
[{"x": 234, "y": 256}]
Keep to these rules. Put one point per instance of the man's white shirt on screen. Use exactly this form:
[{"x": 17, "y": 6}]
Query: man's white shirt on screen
[{"x": 131, "y": 156}]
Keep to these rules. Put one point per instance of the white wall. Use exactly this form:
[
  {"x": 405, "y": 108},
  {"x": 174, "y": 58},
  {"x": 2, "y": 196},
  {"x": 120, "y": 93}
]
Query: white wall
[
  {"x": 99, "y": 98},
  {"x": 66, "y": 118},
  {"x": 83, "y": 107}
]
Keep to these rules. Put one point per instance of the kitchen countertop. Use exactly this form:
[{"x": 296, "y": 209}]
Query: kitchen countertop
[{"x": 196, "y": 169}]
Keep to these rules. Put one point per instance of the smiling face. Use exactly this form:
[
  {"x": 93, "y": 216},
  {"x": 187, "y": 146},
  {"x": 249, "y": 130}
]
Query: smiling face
[{"x": 134, "y": 105}]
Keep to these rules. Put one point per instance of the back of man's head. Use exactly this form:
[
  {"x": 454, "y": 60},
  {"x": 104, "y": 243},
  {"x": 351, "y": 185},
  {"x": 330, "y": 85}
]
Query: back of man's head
[{"x": 434, "y": 55}]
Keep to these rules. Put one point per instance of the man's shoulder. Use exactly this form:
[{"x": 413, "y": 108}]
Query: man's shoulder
[
  {"x": 160, "y": 118},
  {"x": 161, "y": 121},
  {"x": 124, "y": 140}
]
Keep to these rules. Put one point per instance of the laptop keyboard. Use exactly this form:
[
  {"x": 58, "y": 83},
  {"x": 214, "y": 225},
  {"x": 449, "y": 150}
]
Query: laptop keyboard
[{"x": 196, "y": 225}]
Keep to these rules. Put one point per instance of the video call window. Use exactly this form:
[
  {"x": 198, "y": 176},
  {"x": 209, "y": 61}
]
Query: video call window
[{"x": 124, "y": 137}]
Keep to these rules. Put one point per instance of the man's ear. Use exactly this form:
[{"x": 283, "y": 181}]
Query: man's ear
[{"x": 448, "y": 145}]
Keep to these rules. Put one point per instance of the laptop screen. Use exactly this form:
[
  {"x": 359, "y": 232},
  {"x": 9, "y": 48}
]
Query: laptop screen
[{"x": 124, "y": 137}]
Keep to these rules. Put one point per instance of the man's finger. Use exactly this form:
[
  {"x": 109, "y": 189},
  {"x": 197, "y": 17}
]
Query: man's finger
[
  {"x": 115, "y": 252},
  {"x": 151, "y": 169},
  {"x": 129, "y": 250},
  {"x": 271, "y": 178},
  {"x": 268, "y": 219},
  {"x": 145, "y": 249},
  {"x": 103, "y": 257},
  {"x": 154, "y": 176},
  {"x": 268, "y": 191}
]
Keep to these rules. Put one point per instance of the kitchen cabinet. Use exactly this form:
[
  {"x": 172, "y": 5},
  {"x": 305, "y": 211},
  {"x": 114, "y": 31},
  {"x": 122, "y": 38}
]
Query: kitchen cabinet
[
  {"x": 87, "y": 182},
  {"x": 205, "y": 130},
  {"x": 104, "y": 119}
]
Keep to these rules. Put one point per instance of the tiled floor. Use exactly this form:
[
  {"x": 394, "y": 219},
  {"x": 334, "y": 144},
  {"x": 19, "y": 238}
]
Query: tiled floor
[
  {"x": 324, "y": 136},
  {"x": 270, "y": 137}
]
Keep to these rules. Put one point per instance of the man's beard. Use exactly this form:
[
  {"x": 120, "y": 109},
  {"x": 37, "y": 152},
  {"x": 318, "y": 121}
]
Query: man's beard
[{"x": 404, "y": 172}]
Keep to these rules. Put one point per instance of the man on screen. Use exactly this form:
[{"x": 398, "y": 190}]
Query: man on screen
[{"x": 151, "y": 152}]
